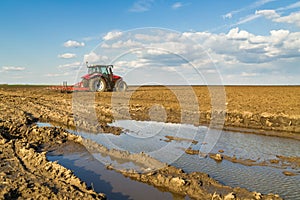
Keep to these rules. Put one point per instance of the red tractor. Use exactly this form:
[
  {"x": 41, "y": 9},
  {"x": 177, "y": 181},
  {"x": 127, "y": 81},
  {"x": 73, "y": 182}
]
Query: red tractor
[{"x": 100, "y": 78}]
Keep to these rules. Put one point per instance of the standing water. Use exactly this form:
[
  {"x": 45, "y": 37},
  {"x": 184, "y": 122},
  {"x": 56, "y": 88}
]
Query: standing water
[
  {"x": 167, "y": 142},
  {"x": 74, "y": 156}
]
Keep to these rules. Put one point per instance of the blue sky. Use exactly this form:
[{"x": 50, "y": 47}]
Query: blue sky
[{"x": 244, "y": 42}]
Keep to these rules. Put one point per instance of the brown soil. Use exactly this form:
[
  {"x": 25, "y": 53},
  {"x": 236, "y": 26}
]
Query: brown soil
[
  {"x": 25, "y": 172},
  {"x": 263, "y": 110}
]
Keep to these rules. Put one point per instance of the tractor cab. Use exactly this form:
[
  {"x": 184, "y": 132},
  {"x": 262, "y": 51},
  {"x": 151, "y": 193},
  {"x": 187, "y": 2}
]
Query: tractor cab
[{"x": 101, "y": 69}]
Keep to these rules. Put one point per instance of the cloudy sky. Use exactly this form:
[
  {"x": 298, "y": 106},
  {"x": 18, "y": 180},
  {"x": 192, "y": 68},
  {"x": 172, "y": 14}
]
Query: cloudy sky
[{"x": 151, "y": 41}]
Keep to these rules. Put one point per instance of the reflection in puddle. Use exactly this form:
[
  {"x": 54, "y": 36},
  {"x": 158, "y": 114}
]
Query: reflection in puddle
[
  {"x": 75, "y": 157},
  {"x": 151, "y": 137}
]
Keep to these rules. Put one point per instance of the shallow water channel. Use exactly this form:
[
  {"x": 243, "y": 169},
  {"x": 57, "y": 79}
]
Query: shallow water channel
[
  {"x": 150, "y": 138},
  {"x": 75, "y": 157}
]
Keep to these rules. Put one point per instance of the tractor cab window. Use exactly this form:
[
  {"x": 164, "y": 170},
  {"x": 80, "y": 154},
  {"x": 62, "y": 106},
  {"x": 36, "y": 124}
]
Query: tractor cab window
[
  {"x": 100, "y": 69},
  {"x": 104, "y": 70},
  {"x": 92, "y": 70}
]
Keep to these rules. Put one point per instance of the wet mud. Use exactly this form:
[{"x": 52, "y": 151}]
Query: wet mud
[{"x": 25, "y": 171}]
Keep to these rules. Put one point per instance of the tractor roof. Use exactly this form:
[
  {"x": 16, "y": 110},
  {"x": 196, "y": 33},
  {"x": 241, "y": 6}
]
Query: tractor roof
[{"x": 92, "y": 66}]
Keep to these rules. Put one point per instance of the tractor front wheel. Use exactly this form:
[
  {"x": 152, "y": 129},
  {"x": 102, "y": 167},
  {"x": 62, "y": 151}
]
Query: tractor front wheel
[
  {"x": 121, "y": 86},
  {"x": 85, "y": 83},
  {"x": 97, "y": 85}
]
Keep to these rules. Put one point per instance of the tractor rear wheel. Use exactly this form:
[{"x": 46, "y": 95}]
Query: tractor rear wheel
[
  {"x": 97, "y": 85},
  {"x": 121, "y": 86}
]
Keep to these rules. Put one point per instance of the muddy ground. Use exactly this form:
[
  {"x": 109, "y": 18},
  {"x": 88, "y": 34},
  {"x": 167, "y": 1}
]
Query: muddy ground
[{"x": 25, "y": 170}]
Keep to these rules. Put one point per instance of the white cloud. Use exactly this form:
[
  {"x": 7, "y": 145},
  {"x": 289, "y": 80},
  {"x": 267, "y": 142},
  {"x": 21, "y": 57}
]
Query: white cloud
[
  {"x": 156, "y": 52},
  {"x": 269, "y": 14},
  {"x": 129, "y": 43},
  {"x": 246, "y": 19},
  {"x": 235, "y": 34},
  {"x": 70, "y": 66},
  {"x": 230, "y": 14},
  {"x": 268, "y": 48},
  {"x": 73, "y": 43},
  {"x": 227, "y": 16},
  {"x": 272, "y": 14},
  {"x": 93, "y": 58},
  {"x": 246, "y": 74},
  {"x": 258, "y": 39},
  {"x": 141, "y": 6},
  {"x": 57, "y": 74},
  {"x": 291, "y": 6},
  {"x": 211, "y": 71},
  {"x": 254, "y": 5},
  {"x": 293, "y": 41},
  {"x": 177, "y": 5},
  {"x": 197, "y": 36},
  {"x": 242, "y": 47},
  {"x": 293, "y": 18},
  {"x": 237, "y": 46},
  {"x": 67, "y": 55},
  {"x": 12, "y": 68},
  {"x": 148, "y": 37},
  {"x": 132, "y": 63},
  {"x": 278, "y": 36},
  {"x": 261, "y": 3},
  {"x": 112, "y": 35}
]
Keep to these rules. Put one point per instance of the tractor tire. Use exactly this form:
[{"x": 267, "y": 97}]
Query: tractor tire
[
  {"x": 121, "y": 86},
  {"x": 85, "y": 83},
  {"x": 97, "y": 84}
]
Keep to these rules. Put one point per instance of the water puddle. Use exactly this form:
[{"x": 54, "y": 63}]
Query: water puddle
[
  {"x": 153, "y": 138},
  {"x": 43, "y": 124},
  {"x": 158, "y": 139},
  {"x": 149, "y": 138},
  {"x": 84, "y": 165}
]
